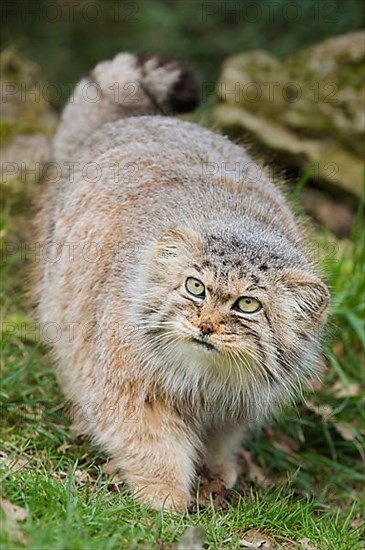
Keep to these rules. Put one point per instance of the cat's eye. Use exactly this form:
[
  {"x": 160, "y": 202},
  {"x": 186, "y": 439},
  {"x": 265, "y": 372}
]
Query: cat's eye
[
  {"x": 195, "y": 287},
  {"x": 247, "y": 305}
]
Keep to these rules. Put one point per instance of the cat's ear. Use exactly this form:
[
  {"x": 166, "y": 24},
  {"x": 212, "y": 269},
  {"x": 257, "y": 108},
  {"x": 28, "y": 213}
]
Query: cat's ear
[
  {"x": 175, "y": 243},
  {"x": 307, "y": 296}
]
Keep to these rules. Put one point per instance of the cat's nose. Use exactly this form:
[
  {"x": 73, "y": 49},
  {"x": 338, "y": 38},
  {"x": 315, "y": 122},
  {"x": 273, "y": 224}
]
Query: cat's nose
[{"x": 206, "y": 327}]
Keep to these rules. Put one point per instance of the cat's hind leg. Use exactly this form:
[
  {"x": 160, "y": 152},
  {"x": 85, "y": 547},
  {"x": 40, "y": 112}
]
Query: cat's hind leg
[{"x": 220, "y": 455}]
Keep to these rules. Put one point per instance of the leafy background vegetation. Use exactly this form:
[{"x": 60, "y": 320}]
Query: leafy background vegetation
[
  {"x": 304, "y": 473},
  {"x": 70, "y": 40}
]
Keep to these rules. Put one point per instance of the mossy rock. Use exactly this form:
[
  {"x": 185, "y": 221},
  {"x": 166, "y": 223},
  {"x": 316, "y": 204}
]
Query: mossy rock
[
  {"x": 307, "y": 109},
  {"x": 28, "y": 123}
]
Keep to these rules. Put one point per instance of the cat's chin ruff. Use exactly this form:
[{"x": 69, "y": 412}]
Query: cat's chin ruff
[{"x": 212, "y": 388}]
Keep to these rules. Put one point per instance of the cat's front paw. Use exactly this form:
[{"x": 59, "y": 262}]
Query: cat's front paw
[
  {"x": 227, "y": 472},
  {"x": 160, "y": 496}
]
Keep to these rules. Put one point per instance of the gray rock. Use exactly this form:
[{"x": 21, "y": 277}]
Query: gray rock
[
  {"x": 308, "y": 108},
  {"x": 27, "y": 126}
]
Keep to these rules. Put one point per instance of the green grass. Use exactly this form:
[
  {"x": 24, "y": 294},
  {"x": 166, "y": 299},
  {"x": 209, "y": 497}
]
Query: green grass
[{"x": 313, "y": 469}]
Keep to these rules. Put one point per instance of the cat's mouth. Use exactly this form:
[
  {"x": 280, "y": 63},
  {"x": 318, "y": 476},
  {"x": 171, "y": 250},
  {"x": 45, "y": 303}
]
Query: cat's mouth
[{"x": 204, "y": 343}]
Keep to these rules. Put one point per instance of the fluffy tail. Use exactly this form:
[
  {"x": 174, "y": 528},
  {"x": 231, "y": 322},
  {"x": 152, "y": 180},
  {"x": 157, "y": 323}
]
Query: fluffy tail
[{"x": 128, "y": 85}]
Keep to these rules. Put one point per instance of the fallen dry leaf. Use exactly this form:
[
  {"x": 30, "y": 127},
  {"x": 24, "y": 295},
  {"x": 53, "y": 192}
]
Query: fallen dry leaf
[
  {"x": 345, "y": 430},
  {"x": 283, "y": 442},
  {"x": 19, "y": 464},
  {"x": 260, "y": 544},
  {"x": 192, "y": 539},
  {"x": 83, "y": 477},
  {"x": 358, "y": 522},
  {"x": 212, "y": 491},
  {"x": 340, "y": 390},
  {"x": 255, "y": 539},
  {"x": 306, "y": 544},
  {"x": 324, "y": 411},
  {"x": 13, "y": 511},
  {"x": 14, "y": 514},
  {"x": 64, "y": 447},
  {"x": 254, "y": 472},
  {"x": 13, "y": 464}
]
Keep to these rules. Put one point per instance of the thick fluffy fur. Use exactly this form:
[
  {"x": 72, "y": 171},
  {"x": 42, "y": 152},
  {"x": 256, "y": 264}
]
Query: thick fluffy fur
[{"x": 163, "y": 205}]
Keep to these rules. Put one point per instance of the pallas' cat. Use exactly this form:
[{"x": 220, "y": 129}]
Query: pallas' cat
[{"x": 185, "y": 300}]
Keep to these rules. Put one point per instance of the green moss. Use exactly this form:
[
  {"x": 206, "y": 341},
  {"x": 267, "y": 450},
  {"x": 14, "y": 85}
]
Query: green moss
[{"x": 8, "y": 129}]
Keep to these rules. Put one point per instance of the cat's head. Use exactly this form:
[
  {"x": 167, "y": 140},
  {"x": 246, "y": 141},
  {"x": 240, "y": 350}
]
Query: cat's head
[{"x": 234, "y": 301}]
